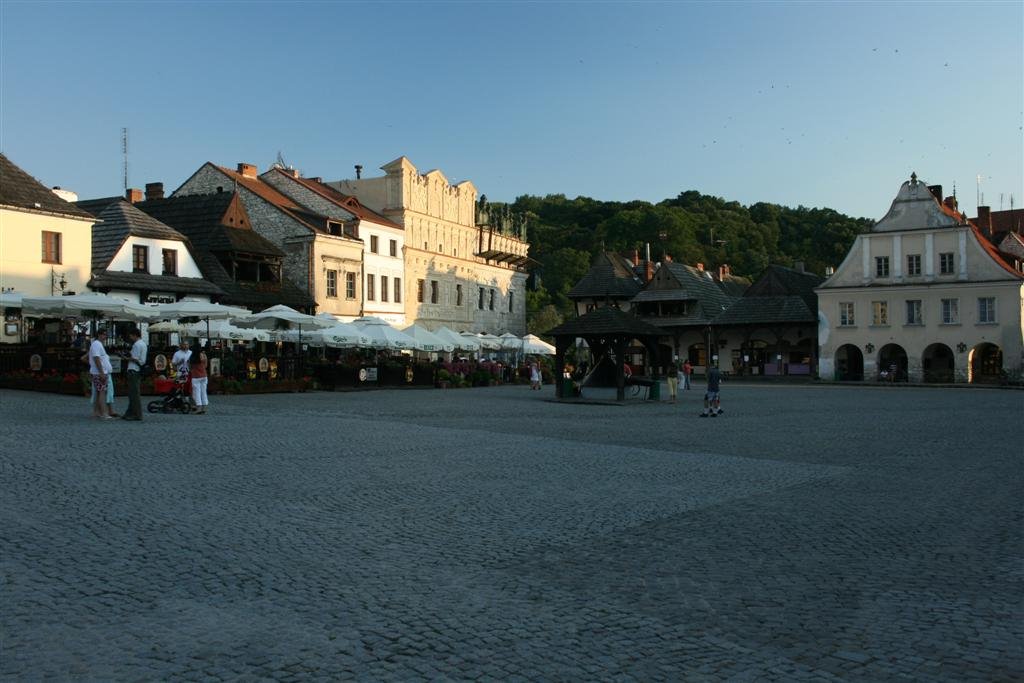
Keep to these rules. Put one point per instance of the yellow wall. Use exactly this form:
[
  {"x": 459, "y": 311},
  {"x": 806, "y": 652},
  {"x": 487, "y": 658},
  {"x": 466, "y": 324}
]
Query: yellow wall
[{"x": 21, "y": 252}]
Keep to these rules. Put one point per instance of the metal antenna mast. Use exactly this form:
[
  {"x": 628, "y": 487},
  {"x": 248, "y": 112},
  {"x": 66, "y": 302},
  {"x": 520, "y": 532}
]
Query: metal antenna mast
[{"x": 124, "y": 153}]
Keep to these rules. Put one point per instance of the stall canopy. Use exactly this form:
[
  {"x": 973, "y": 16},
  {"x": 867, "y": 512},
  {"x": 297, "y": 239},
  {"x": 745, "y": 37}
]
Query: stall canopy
[
  {"x": 430, "y": 341},
  {"x": 532, "y": 344},
  {"x": 86, "y": 306},
  {"x": 204, "y": 310},
  {"x": 282, "y": 317},
  {"x": 222, "y": 329},
  {"x": 470, "y": 343},
  {"x": 489, "y": 342},
  {"x": 383, "y": 336}
]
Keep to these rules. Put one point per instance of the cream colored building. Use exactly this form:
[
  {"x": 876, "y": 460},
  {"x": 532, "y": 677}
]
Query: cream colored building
[
  {"x": 45, "y": 242},
  {"x": 925, "y": 293},
  {"x": 462, "y": 270}
]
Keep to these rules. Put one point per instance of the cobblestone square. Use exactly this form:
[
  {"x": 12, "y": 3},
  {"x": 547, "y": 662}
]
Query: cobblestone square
[{"x": 812, "y": 533}]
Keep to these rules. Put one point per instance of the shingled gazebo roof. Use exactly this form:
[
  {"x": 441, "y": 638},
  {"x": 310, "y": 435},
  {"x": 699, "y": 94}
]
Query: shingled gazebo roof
[{"x": 606, "y": 321}]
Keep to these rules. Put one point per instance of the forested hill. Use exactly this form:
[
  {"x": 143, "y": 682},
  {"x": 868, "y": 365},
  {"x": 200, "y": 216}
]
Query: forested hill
[{"x": 565, "y": 233}]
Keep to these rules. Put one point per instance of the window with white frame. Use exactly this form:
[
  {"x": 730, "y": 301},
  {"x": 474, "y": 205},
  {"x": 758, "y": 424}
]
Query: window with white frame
[
  {"x": 946, "y": 263},
  {"x": 393, "y": 248},
  {"x": 350, "y": 285},
  {"x": 913, "y": 265},
  {"x": 373, "y": 244},
  {"x": 398, "y": 290},
  {"x": 950, "y": 311},
  {"x": 879, "y": 312},
  {"x": 371, "y": 293},
  {"x": 383, "y": 287},
  {"x": 986, "y": 309},
  {"x": 881, "y": 266},
  {"x": 914, "y": 312},
  {"x": 846, "y": 318},
  {"x": 332, "y": 284}
]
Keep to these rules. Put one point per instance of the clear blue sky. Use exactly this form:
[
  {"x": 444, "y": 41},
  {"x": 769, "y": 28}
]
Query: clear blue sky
[{"x": 815, "y": 104}]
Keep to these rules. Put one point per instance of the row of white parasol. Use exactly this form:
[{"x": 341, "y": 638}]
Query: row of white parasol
[{"x": 277, "y": 322}]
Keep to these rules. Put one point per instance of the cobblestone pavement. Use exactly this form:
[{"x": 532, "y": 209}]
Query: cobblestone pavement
[{"x": 812, "y": 533}]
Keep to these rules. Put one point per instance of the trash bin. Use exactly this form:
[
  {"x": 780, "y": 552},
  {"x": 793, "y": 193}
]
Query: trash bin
[
  {"x": 567, "y": 387},
  {"x": 655, "y": 391}
]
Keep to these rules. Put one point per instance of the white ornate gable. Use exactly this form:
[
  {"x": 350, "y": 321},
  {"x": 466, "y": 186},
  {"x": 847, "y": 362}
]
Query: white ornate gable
[{"x": 914, "y": 208}]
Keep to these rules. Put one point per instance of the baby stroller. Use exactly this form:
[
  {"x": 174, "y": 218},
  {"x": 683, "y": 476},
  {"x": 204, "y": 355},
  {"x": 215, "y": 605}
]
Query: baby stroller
[{"x": 177, "y": 395}]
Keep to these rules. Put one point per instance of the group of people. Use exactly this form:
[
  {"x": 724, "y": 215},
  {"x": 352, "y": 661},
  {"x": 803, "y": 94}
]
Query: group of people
[
  {"x": 186, "y": 364},
  {"x": 681, "y": 376}
]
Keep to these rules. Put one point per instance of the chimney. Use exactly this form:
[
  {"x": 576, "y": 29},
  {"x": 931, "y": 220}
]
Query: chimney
[
  {"x": 936, "y": 191},
  {"x": 133, "y": 195},
  {"x": 648, "y": 271},
  {"x": 359, "y": 171},
  {"x": 723, "y": 272},
  {"x": 985, "y": 220},
  {"x": 700, "y": 267},
  {"x": 293, "y": 172},
  {"x": 247, "y": 170},
  {"x": 798, "y": 266},
  {"x": 951, "y": 203},
  {"x": 636, "y": 257},
  {"x": 667, "y": 258},
  {"x": 154, "y": 191}
]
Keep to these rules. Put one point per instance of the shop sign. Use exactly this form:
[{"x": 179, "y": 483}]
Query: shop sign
[{"x": 35, "y": 362}]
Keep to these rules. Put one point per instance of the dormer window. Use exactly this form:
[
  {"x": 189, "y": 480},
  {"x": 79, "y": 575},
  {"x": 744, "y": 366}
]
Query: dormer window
[
  {"x": 170, "y": 261},
  {"x": 335, "y": 228},
  {"x": 140, "y": 259}
]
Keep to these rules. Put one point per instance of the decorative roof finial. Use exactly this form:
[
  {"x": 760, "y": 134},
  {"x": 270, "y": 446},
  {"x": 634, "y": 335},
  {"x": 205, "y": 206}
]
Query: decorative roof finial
[{"x": 913, "y": 178}]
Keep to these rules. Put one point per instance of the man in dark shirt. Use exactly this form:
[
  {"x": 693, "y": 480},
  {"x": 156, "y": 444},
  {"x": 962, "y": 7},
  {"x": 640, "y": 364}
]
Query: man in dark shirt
[{"x": 712, "y": 405}]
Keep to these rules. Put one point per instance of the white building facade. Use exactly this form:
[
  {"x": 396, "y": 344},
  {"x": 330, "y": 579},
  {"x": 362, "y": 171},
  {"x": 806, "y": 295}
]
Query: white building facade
[
  {"x": 460, "y": 272},
  {"x": 923, "y": 296}
]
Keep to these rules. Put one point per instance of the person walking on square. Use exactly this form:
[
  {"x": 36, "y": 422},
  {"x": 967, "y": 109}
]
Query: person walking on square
[
  {"x": 99, "y": 373},
  {"x": 687, "y": 371},
  {"x": 535, "y": 376},
  {"x": 197, "y": 368},
  {"x": 136, "y": 360},
  {"x": 712, "y": 403},
  {"x": 673, "y": 380}
]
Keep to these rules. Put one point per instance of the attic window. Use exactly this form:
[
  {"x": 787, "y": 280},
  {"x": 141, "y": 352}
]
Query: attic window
[
  {"x": 334, "y": 228},
  {"x": 220, "y": 188}
]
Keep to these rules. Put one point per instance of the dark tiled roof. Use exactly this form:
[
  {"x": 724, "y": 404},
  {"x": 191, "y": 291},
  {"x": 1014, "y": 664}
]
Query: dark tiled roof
[
  {"x": 109, "y": 279},
  {"x": 608, "y": 321},
  {"x": 610, "y": 277},
  {"x": 346, "y": 202},
  {"x": 121, "y": 220},
  {"x": 19, "y": 189},
  {"x": 700, "y": 287},
  {"x": 200, "y": 217},
  {"x": 97, "y": 206},
  {"x": 734, "y": 285},
  {"x": 768, "y": 310}
]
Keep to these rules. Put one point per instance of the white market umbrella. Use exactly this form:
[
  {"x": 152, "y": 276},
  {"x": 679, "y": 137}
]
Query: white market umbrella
[
  {"x": 470, "y": 342},
  {"x": 343, "y": 335},
  {"x": 195, "y": 308},
  {"x": 489, "y": 342},
  {"x": 450, "y": 336},
  {"x": 383, "y": 336},
  {"x": 167, "y": 326},
  {"x": 86, "y": 305},
  {"x": 272, "y": 318},
  {"x": 222, "y": 329},
  {"x": 532, "y": 344},
  {"x": 510, "y": 342},
  {"x": 429, "y": 340}
]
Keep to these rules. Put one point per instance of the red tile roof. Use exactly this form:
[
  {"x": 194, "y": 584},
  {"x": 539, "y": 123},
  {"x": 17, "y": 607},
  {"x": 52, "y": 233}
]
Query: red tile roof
[
  {"x": 271, "y": 195},
  {"x": 347, "y": 202},
  {"x": 991, "y": 250}
]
